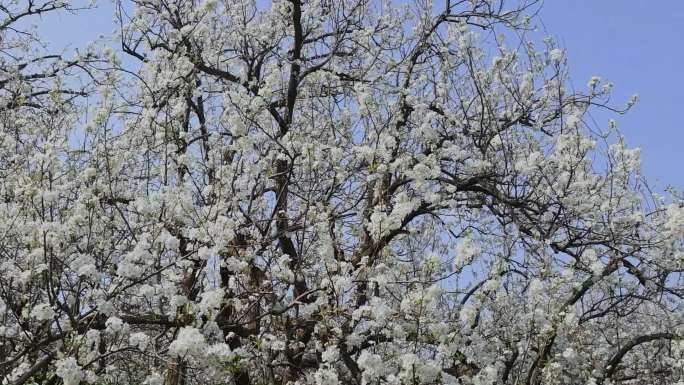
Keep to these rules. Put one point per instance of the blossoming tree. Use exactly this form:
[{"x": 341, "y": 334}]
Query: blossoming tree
[{"x": 325, "y": 192}]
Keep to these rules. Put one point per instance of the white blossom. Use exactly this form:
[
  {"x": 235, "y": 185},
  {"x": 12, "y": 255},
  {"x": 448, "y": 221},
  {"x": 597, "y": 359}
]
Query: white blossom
[
  {"x": 42, "y": 312},
  {"x": 325, "y": 192},
  {"x": 139, "y": 340},
  {"x": 189, "y": 342},
  {"x": 114, "y": 324},
  {"x": 556, "y": 55},
  {"x": 69, "y": 371}
]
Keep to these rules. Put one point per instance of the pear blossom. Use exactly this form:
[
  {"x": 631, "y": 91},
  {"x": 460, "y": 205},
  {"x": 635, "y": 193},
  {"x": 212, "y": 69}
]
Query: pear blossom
[
  {"x": 556, "y": 55},
  {"x": 189, "y": 341},
  {"x": 42, "y": 312},
  {"x": 69, "y": 371},
  {"x": 114, "y": 324},
  {"x": 325, "y": 192}
]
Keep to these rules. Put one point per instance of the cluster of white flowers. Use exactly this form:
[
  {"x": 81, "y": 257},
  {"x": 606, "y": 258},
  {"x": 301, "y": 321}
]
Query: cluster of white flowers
[
  {"x": 675, "y": 219},
  {"x": 211, "y": 301},
  {"x": 382, "y": 223},
  {"x": 220, "y": 352},
  {"x": 326, "y": 376},
  {"x": 466, "y": 251},
  {"x": 325, "y": 192},
  {"x": 593, "y": 81},
  {"x": 372, "y": 366},
  {"x": 154, "y": 379},
  {"x": 114, "y": 324},
  {"x": 556, "y": 55},
  {"x": 594, "y": 262},
  {"x": 281, "y": 269},
  {"x": 413, "y": 367},
  {"x": 139, "y": 340},
  {"x": 42, "y": 312},
  {"x": 69, "y": 371},
  {"x": 189, "y": 342}
]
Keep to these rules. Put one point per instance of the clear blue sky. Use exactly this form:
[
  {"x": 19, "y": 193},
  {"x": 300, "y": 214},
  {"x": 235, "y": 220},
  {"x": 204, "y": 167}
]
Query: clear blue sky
[{"x": 636, "y": 44}]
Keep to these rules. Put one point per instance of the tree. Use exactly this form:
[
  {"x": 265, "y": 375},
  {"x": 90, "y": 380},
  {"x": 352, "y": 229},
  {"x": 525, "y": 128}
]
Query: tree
[{"x": 328, "y": 192}]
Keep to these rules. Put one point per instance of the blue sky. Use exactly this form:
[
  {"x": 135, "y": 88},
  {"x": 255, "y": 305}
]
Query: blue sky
[
  {"x": 632, "y": 43},
  {"x": 636, "y": 44}
]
